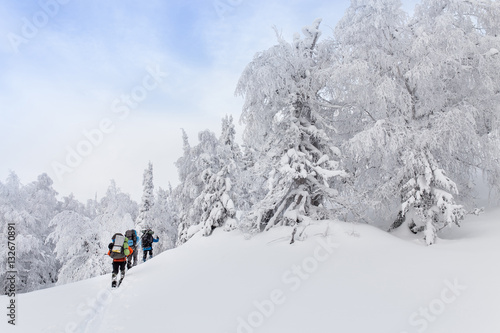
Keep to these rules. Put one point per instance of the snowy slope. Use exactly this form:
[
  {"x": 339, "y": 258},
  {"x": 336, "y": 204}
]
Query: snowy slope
[{"x": 357, "y": 279}]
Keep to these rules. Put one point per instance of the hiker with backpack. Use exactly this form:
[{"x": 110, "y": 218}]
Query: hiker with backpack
[
  {"x": 132, "y": 243},
  {"x": 119, "y": 250},
  {"x": 147, "y": 241}
]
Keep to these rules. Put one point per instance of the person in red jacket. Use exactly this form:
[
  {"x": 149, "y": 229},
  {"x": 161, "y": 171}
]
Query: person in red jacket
[{"x": 119, "y": 262}]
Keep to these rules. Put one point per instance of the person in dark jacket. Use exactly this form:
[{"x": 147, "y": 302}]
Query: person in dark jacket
[{"x": 147, "y": 241}]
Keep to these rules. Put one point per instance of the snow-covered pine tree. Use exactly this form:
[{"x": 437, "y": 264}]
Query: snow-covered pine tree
[
  {"x": 188, "y": 190},
  {"x": 251, "y": 181},
  {"x": 229, "y": 153},
  {"x": 221, "y": 169},
  {"x": 216, "y": 202},
  {"x": 144, "y": 219},
  {"x": 228, "y": 136},
  {"x": 284, "y": 116},
  {"x": 428, "y": 203},
  {"x": 204, "y": 160}
]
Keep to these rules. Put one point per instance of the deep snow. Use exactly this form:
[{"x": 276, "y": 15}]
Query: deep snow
[{"x": 357, "y": 278}]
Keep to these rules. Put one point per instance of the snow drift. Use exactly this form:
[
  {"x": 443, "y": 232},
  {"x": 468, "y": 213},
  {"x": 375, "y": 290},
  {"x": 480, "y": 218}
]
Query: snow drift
[{"x": 336, "y": 277}]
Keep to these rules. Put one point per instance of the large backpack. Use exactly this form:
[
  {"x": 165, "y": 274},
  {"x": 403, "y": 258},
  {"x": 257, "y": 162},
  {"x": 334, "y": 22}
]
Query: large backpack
[
  {"x": 147, "y": 238},
  {"x": 120, "y": 247},
  {"x": 132, "y": 237}
]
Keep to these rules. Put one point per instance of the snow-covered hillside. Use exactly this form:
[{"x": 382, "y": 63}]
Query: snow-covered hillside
[{"x": 340, "y": 278}]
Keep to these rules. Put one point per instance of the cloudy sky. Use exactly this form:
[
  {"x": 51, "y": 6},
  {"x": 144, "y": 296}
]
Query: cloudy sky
[{"x": 92, "y": 90}]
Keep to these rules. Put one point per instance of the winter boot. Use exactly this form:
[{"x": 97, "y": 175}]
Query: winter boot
[
  {"x": 121, "y": 278},
  {"x": 113, "y": 280}
]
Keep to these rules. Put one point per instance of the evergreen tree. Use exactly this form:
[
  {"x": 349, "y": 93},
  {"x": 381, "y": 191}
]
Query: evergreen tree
[
  {"x": 197, "y": 162},
  {"x": 284, "y": 116},
  {"x": 428, "y": 203},
  {"x": 232, "y": 160},
  {"x": 215, "y": 200},
  {"x": 188, "y": 189},
  {"x": 144, "y": 219}
]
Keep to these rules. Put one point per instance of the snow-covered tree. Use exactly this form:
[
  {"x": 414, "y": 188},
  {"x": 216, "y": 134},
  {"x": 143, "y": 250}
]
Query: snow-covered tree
[
  {"x": 217, "y": 205},
  {"x": 189, "y": 188},
  {"x": 455, "y": 75},
  {"x": 284, "y": 113},
  {"x": 116, "y": 202},
  {"x": 251, "y": 180},
  {"x": 200, "y": 160},
  {"x": 81, "y": 234},
  {"x": 165, "y": 219},
  {"x": 246, "y": 186},
  {"x": 367, "y": 79},
  {"x": 41, "y": 199},
  {"x": 415, "y": 90},
  {"x": 71, "y": 203},
  {"x": 428, "y": 202},
  {"x": 79, "y": 246},
  {"x": 30, "y": 208},
  {"x": 367, "y": 76},
  {"x": 207, "y": 172},
  {"x": 116, "y": 212},
  {"x": 144, "y": 219}
]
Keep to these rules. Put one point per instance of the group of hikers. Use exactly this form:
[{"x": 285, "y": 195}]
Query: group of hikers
[{"x": 123, "y": 250}]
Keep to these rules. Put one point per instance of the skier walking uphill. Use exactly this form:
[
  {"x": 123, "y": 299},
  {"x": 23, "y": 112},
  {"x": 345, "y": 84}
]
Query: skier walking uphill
[
  {"x": 132, "y": 243},
  {"x": 119, "y": 251},
  {"x": 147, "y": 241}
]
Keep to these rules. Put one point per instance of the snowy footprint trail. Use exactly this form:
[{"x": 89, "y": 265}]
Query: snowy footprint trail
[{"x": 108, "y": 299}]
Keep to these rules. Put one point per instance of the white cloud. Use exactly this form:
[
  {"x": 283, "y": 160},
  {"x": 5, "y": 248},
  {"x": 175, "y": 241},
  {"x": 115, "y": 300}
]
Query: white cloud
[{"x": 65, "y": 79}]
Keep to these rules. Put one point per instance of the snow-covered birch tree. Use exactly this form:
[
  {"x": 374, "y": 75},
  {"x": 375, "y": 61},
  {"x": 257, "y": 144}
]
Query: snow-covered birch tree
[
  {"x": 367, "y": 80},
  {"x": 418, "y": 97},
  {"x": 455, "y": 75}
]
